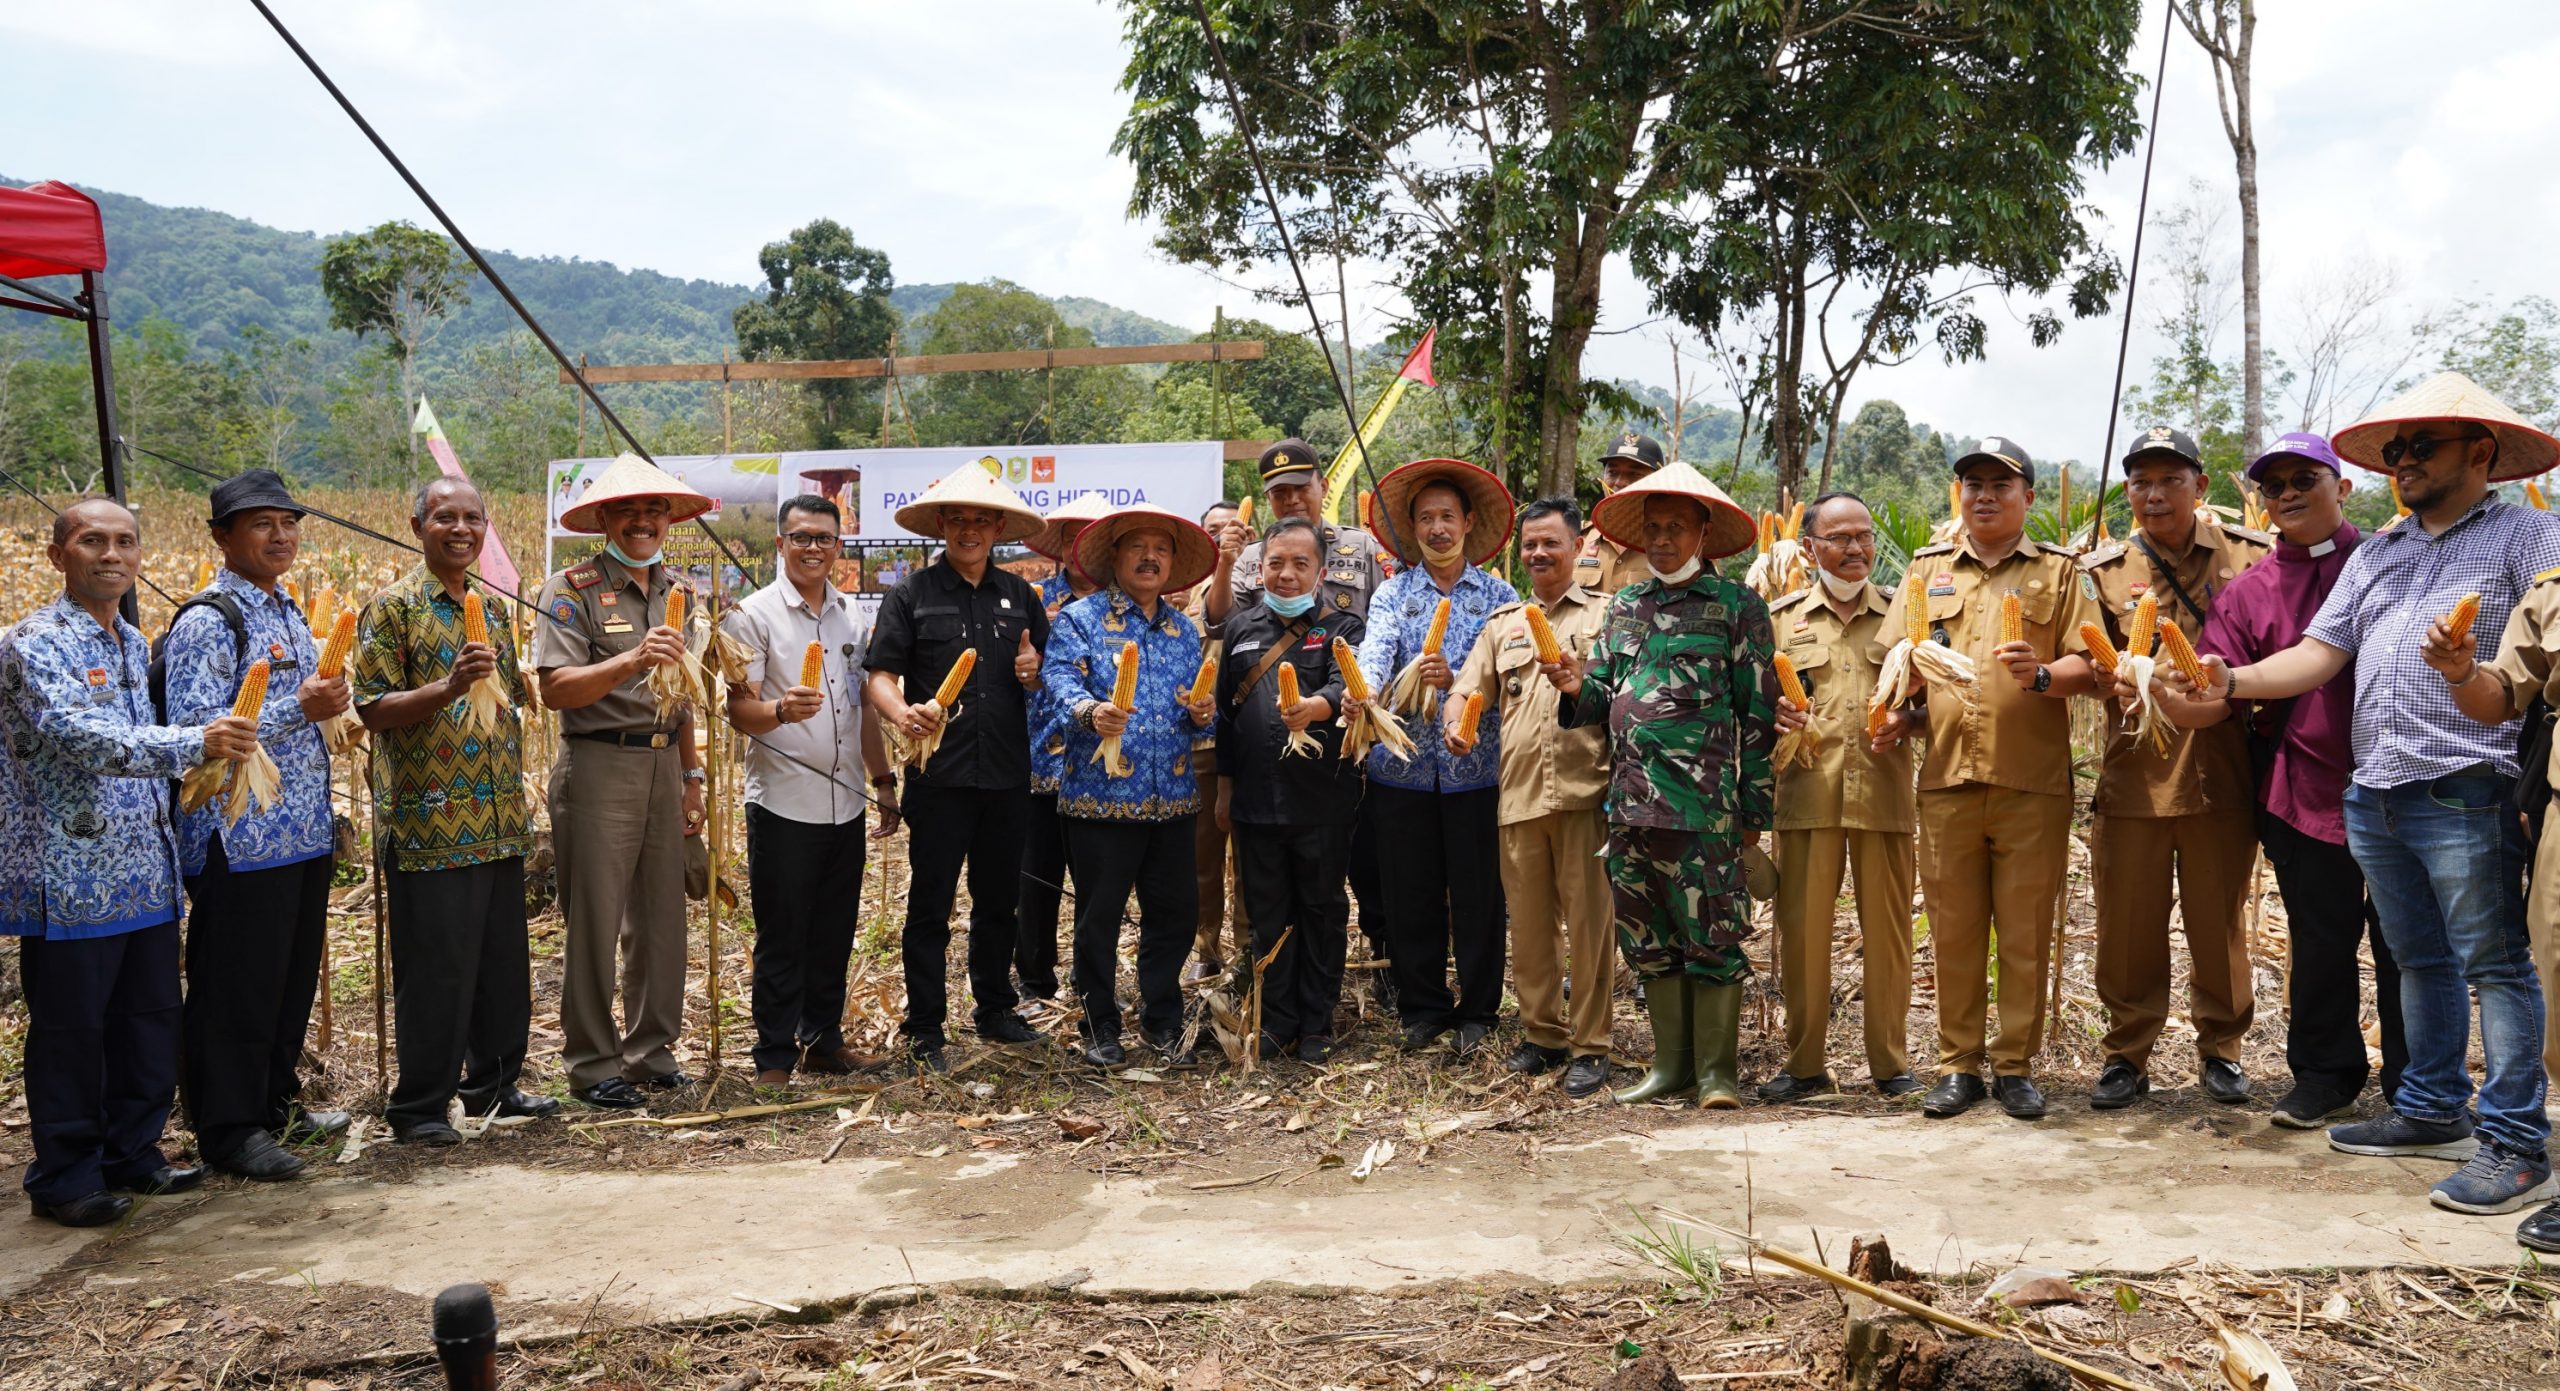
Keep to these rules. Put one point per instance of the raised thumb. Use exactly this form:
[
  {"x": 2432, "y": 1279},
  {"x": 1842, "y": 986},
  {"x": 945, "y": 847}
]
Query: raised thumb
[{"x": 1026, "y": 639}]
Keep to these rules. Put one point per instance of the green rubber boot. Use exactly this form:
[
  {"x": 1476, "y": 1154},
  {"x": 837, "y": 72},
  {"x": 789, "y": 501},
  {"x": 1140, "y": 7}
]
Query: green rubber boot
[
  {"x": 1715, "y": 1017},
  {"x": 1667, "y": 1003}
]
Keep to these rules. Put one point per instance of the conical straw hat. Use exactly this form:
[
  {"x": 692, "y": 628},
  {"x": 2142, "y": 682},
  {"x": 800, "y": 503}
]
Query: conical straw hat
[
  {"x": 1066, "y": 519},
  {"x": 630, "y": 476},
  {"x": 971, "y": 485},
  {"x": 2523, "y": 448},
  {"x": 1194, "y": 554},
  {"x": 1620, "y": 515},
  {"x": 1488, "y": 506}
]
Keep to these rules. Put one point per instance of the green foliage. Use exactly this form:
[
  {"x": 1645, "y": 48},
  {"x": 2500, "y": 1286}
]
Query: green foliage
[
  {"x": 1189, "y": 410},
  {"x": 1008, "y": 408},
  {"x": 1290, "y": 383},
  {"x": 827, "y": 297},
  {"x": 2514, "y": 353},
  {"x": 395, "y": 280}
]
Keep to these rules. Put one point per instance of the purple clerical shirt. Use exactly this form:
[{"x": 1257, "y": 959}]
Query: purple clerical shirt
[{"x": 2263, "y": 612}]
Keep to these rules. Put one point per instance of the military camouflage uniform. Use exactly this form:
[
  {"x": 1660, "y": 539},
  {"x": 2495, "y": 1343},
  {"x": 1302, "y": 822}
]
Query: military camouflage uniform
[{"x": 1682, "y": 676}]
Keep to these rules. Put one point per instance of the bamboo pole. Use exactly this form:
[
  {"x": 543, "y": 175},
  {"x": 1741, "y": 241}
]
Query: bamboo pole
[
  {"x": 713, "y": 803},
  {"x": 725, "y": 446},
  {"x": 381, "y": 1005}
]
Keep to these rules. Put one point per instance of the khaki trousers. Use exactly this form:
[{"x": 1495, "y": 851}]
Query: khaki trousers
[
  {"x": 2542, "y": 920},
  {"x": 617, "y": 839},
  {"x": 1807, "y": 911},
  {"x": 1211, "y": 868},
  {"x": 1991, "y": 860},
  {"x": 2135, "y": 864},
  {"x": 1557, "y": 889}
]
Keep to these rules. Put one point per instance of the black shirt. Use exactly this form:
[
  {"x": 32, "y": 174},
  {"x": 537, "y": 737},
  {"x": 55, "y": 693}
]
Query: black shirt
[
  {"x": 1271, "y": 790},
  {"x": 924, "y": 625}
]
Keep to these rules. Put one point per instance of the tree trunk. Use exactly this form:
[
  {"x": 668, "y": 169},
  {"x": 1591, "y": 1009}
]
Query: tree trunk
[
  {"x": 1573, "y": 309},
  {"x": 2244, "y": 149}
]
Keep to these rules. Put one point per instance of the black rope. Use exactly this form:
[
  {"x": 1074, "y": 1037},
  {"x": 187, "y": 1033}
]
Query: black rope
[{"x": 2132, "y": 278}]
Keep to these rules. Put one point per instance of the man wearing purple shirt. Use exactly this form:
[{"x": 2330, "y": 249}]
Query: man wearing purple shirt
[{"x": 2299, "y": 751}]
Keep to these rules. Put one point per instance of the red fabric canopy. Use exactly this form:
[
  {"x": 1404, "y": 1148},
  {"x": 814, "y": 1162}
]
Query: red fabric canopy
[{"x": 49, "y": 229}]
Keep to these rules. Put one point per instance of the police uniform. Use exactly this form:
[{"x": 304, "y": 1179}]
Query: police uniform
[
  {"x": 2528, "y": 665},
  {"x": 2185, "y": 821},
  {"x": 1604, "y": 565},
  {"x": 1353, "y": 570},
  {"x": 1851, "y": 808}
]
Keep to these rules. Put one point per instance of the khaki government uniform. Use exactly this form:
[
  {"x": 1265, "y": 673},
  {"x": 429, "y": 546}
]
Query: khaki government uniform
[
  {"x": 2528, "y": 662},
  {"x": 1552, "y": 782},
  {"x": 617, "y": 831},
  {"x": 1995, "y": 796},
  {"x": 1852, "y": 808},
  {"x": 2186, "y": 821},
  {"x": 1607, "y": 567}
]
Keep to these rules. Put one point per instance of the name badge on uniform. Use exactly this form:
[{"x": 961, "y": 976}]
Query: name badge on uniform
[
  {"x": 1243, "y": 647},
  {"x": 1004, "y": 604},
  {"x": 617, "y": 625}
]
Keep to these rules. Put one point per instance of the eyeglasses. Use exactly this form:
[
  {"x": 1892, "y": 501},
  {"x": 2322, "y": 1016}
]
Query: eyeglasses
[
  {"x": 1849, "y": 540},
  {"x": 811, "y": 540},
  {"x": 2299, "y": 483},
  {"x": 2420, "y": 448}
]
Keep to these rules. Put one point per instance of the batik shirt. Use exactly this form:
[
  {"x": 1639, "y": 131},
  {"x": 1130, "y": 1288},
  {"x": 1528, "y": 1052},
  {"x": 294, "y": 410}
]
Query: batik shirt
[
  {"x": 1048, "y": 724},
  {"x": 446, "y": 795},
  {"x": 203, "y": 679},
  {"x": 1399, "y": 618},
  {"x": 91, "y": 771},
  {"x": 1080, "y": 665},
  {"x": 21, "y": 840},
  {"x": 1683, "y": 677}
]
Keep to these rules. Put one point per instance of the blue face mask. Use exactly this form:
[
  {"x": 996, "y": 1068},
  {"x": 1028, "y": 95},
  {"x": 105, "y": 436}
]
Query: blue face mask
[
  {"x": 615, "y": 550},
  {"x": 1290, "y": 608}
]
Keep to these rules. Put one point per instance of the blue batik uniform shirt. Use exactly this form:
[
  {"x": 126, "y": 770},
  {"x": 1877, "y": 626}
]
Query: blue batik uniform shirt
[
  {"x": 1048, "y": 723},
  {"x": 1399, "y": 616},
  {"x": 1081, "y": 663},
  {"x": 204, "y": 678},
  {"x": 90, "y": 775}
]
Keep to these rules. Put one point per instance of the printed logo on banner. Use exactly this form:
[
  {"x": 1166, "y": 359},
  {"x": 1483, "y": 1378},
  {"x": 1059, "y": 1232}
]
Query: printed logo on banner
[
  {"x": 1017, "y": 468},
  {"x": 1044, "y": 468}
]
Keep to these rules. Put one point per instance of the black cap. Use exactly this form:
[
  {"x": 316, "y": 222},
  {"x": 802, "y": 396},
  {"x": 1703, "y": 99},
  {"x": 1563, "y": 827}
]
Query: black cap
[
  {"x": 249, "y": 490},
  {"x": 1636, "y": 448},
  {"x": 2000, "y": 449},
  {"x": 2168, "y": 440},
  {"x": 1287, "y": 457}
]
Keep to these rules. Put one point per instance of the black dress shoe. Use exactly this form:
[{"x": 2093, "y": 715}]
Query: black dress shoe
[
  {"x": 1418, "y": 1037},
  {"x": 2310, "y": 1105},
  {"x": 435, "y": 1133},
  {"x": 1007, "y": 1027},
  {"x": 97, "y": 1209},
  {"x": 2118, "y": 1086},
  {"x": 2019, "y": 1097},
  {"x": 519, "y": 1104},
  {"x": 1470, "y": 1038},
  {"x": 258, "y": 1157},
  {"x": 2541, "y": 1231},
  {"x": 1532, "y": 1059},
  {"x": 1955, "y": 1094},
  {"x": 1586, "y": 1074},
  {"x": 926, "y": 1059},
  {"x": 1103, "y": 1053},
  {"x": 1899, "y": 1084},
  {"x": 1784, "y": 1087},
  {"x": 1174, "y": 1052},
  {"x": 612, "y": 1094},
  {"x": 2224, "y": 1081},
  {"x": 1315, "y": 1048},
  {"x": 666, "y": 1081},
  {"x": 313, "y": 1127},
  {"x": 166, "y": 1179}
]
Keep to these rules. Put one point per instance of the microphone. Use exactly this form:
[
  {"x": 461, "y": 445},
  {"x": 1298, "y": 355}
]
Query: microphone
[{"x": 465, "y": 1328}]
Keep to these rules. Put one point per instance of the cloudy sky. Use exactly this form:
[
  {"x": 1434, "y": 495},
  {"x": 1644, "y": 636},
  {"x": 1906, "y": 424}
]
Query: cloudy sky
[{"x": 970, "y": 138}]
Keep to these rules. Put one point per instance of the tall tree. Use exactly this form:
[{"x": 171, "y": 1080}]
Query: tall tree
[
  {"x": 1284, "y": 388},
  {"x": 2514, "y": 353},
  {"x": 2227, "y": 31},
  {"x": 1008, "y": 408},
  {"x": 399, "y": 282},
  {"x": 827, "y": 297}
]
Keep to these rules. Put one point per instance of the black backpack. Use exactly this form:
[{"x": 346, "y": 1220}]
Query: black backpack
[{"x": 214, "y": 599}]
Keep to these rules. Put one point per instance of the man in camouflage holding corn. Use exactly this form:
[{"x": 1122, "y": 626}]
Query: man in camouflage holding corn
[{"x": 1683, "y": 679}]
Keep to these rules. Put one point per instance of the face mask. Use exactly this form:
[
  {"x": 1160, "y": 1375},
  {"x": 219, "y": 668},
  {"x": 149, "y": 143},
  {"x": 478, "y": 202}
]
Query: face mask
[
  {"x": 614, "y": 549},
  {"x": 1442, "y": 557},
  {"x": 1682, "y": 575},
  {"x": 1840, "y": 589},
  {"x": 1292, "y": 607}
]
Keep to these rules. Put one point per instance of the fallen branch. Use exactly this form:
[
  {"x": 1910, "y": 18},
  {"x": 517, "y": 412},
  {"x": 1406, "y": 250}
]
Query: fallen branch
[{"x": 692, "y": 1119}]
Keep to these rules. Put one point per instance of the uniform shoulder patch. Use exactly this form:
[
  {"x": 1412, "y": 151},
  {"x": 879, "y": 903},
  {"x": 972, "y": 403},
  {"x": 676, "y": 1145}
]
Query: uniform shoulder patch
[
  {"x": 1799, "y": 599},
  {"x": 2111, "y": 551},
  {"x": 1937, "y": 548},
  {"x": 585, "y": 576},
  {"x": 2548, "y": 575},
  {"x": 2248, "y": 533},
  {"x": 565, "y": 609}
]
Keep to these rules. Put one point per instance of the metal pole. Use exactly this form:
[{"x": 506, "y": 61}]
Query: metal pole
[{"x": 102, "y": 382}]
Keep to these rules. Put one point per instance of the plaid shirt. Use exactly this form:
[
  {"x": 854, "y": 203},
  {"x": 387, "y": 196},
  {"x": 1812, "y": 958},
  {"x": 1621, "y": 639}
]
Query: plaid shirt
[{"x": 2406, "y": 727}]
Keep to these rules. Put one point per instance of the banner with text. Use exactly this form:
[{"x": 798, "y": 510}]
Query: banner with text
[
  {"x": 1182, "y": 478},
  {"x": 742, "y": 484}
]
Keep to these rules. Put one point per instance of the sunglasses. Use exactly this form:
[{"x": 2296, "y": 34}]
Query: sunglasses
[
  {"x": 2298, "y": 483},
  {"x": 2420, "y": 448}
]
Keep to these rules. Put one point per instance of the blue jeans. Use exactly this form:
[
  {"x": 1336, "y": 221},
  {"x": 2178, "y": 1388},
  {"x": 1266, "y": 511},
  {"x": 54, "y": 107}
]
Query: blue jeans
[{"x": 2445, "y": 860}]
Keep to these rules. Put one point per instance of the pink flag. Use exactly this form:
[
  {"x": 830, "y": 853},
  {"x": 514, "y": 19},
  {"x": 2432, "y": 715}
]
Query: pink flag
[{"x": 496, "y": 566}]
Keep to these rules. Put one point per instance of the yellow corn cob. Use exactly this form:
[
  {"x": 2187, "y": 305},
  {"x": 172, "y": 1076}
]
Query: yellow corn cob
[
  {"x": 253, "y": 691},
  {"x": 2466, "y": 610},
  {"x": 1915, "y": 607},
  {"x": 1543, "y": 634},
  {"x": 2101, "y": 651},
  {"x": 1288, "y": 687},
  {"x": 1876, "y": 716},
  {"x": 2013, "y": 618},
  {"x": 1768, "y": 530},
  {"x": 675, "y": 610},
  {"x": 2182, "y": 654},
  {"x": 1354, "y": 685},
  {"x": 1244, "y": 511},
  {"x": 1789, "y": 684},
  {"x": 324, "y": 611},
  {"x": 204, "y": 573},
  {"x": 2533, "y": 494},
  {"x": 1955, "y": 498},
  {"x": 342, "y": 640},
  {"x": 1124, "y": 686},
  {"x": 1438, "y": 630},
  {"x": 1368, "y": 510},
  {"x": 2145, "y": 623},
  {"x": 1473, "y": 712},
  {"x": 1206, "y": 683},
  {"x": 958, "y": 677},
  {"x": 475, "y": 618},
  {"x": 2398, "y": 508},
  {"x": 1795, "y": 520},
  {"x": 813, "y": 665}
]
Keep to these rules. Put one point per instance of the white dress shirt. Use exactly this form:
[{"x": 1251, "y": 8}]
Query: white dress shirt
[{"x": 825, "y": 786}]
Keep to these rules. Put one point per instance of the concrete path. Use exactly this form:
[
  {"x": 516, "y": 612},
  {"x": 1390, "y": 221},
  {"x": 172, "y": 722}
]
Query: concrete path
[{"x": 2080, "y": 1191}]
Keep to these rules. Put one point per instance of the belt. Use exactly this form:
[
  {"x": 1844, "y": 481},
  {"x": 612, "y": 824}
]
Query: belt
[{"x": 628, "y": 739}]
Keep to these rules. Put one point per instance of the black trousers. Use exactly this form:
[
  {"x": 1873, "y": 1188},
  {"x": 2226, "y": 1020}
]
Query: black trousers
[
  {"x": 462, "y": 980},
  {"x": 253, "y": 970},
  {"x": 807, "y": 884},
  {"x": 102, "y": 1058},
  {"x": 1044, "y": 878},
  {"x": 1365, "y": 888},
  {"x": 946, "y": 828},
  {"x": 1440, "y": 863},
  {"x": 1157, "y": 860},
  {"x": 1290, "y": 878},
  {"x": 2327, "y": 915}
]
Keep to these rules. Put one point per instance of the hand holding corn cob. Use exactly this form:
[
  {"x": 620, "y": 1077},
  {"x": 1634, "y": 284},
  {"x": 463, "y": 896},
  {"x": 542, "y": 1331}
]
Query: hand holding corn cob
[
  {"x": 677, "y": 680},
  {"x": 1915, "y": 663},
  {"x": 2450, "y": 648},
  {"x": 1111, "y": 718},
  {"x": 914, "y": 740},
  {"x": 1797, "y": 745},
  {"x": 1412, "y": 691},
  {"x": 1294, "y": 714},
  {"x": 1365, "y": 723},
  {"x": 242, "y": 781},
  {"x": 1459, "y": 731}
]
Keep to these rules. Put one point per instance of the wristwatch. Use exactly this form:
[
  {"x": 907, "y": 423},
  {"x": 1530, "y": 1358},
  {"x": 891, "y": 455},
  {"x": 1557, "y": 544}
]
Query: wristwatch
[
  {"x": 2044, "y": 679},
  {"x": 693, "y": 775}
]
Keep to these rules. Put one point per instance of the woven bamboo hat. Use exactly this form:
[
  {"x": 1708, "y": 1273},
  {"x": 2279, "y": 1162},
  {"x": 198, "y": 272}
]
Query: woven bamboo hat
[
  {"x": 630, "y": 476},
  {"x": 1620, "y": 515},
  {"x": 971, "y": 485},
  {"x": 2524, "y": 450},
  {"x": 1058, "y": 530},
  {"x": 1194, "y": 554},
  {"x": 1488, "y": 502}
]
